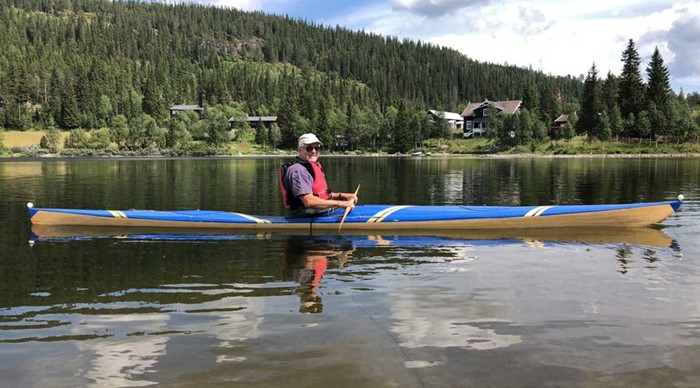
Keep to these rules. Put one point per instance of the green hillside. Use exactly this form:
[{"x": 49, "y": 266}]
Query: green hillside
[{"x": 77, "y": 64}]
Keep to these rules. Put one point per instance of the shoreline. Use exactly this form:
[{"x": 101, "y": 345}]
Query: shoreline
[{"x": 52, "y": 157}]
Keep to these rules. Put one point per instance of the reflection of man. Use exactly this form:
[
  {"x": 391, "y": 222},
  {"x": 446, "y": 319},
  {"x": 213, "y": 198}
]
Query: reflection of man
[
  {"x": 309, "y": 278},
  {"x": 305, "y": 262}
]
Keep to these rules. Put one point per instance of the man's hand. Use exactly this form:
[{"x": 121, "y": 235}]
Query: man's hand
[
  {"x": 349, "y": 197},
  {"x": 347, "y": 204}
]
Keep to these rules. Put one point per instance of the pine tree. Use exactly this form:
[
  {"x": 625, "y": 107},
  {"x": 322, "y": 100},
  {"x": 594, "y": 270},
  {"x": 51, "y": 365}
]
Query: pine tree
[
  {"x": 549, "y": 103},
  {"x": 659, "y": 89},
  {"x": 631, "y": 96},
  {"x": 414, "y": 126},
  {"x": 526, "y": 126},
  {"x": 321, "y": 125},
  {"x": 2, "y": 112},
  {"x": 70, "y": 112},
  {"x": 610, "y": 92},
  {"x": 13, "y": 113},
  {"x": 261, "y": 133},
  {"x": 386, "y": 130},
  {"x": 603, "y": 130},
  {"x": 591, "y": 104},
  {"x": 153, "y": 103},
  {"x": 401, "y": 133},
  {"x": 630, "y": 123}
]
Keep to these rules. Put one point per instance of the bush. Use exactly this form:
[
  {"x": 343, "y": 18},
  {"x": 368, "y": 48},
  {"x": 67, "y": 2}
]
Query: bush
[
  {"x": 177, "y": 135},
  {"x": 77, "y": 138},
  {"x": 100, "y": 139},
  {"x": 34, "y": 151},
  {"x": 51, "y": 139},
  {"x": 119, "y": 130}
]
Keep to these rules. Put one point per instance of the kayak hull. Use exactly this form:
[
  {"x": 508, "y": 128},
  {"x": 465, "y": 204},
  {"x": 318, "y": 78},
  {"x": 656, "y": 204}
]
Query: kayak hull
[{"x": 377, "y": 217}]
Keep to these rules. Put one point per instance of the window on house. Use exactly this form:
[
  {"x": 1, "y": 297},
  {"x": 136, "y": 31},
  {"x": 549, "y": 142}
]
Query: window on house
[{"x": 486, "y": 112}]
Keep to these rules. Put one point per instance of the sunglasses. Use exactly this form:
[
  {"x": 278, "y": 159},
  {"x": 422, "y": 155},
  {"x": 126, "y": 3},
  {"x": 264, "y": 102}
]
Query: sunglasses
[{"x": 311, "y": 148}]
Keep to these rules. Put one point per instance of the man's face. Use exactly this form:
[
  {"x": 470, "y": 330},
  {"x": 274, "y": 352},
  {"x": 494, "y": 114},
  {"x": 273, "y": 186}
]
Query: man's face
[{"x": 310, "y": 152}]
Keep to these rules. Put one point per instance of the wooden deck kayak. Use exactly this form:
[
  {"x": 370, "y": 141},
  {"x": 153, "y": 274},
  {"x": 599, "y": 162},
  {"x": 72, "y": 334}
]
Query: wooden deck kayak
[{"x": 377, "y": 217}]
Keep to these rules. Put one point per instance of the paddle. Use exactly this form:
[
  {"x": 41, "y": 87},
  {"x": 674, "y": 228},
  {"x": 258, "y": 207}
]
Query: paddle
[{"x": 347, "y": 209}]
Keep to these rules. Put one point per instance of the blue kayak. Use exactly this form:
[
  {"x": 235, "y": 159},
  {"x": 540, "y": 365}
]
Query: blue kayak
[{"x": 377, "y": 217}]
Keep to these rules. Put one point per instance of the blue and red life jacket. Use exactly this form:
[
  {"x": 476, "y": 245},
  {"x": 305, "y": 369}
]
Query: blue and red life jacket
[{"x": 319, "y": 187}]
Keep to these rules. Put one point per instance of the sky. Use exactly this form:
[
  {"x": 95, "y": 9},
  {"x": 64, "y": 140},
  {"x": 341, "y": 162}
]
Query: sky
[{"x": 557, "y": 37}]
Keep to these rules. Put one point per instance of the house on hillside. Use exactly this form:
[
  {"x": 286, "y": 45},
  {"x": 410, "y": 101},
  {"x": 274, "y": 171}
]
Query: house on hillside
[
  {"x": 558, "y": 126},
  {"x": 253, "y": 121},
  {"x": 476, "y": 114},
  {"x": 175, "y": 109},
  {"x": 455, "y": 121}
]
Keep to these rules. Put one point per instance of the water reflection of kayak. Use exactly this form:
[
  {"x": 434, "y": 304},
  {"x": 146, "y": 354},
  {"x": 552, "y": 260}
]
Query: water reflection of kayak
[
  {"x": 638, "y": 236},
  {"x": 375, "y": 218}
]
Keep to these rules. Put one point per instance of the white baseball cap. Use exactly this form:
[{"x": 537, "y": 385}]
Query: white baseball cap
[{"x": 308, "y": 138}]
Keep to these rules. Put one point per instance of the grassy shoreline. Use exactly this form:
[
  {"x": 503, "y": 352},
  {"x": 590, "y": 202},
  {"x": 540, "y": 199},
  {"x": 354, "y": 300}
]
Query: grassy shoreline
[{"x": 25, "y": 145}]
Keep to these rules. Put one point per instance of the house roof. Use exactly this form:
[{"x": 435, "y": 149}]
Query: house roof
[
  {"x": 255, "y": 119},
  {"x": 446, "y": 115},
  {"x": 185, "y": 107},
  {"x": 562, "y": 119},
  {"x": 507, "y": 107},
  {"x": 469, "y": 109}
]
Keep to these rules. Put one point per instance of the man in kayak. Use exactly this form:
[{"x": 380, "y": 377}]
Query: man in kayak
[{"x": 304, "y": 187}]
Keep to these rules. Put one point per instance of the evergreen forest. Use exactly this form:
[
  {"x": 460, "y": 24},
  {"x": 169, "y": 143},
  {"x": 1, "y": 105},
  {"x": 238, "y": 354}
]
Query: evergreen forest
[{"x": 108, "y": 72}]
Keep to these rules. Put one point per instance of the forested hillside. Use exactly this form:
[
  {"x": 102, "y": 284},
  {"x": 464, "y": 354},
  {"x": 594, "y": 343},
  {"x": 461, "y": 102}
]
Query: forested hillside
[{"x": 81, "y": 63}]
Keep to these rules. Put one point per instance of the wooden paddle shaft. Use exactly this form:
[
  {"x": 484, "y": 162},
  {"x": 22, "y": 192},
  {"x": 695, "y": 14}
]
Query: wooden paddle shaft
[{"x": 347, "y": 209}]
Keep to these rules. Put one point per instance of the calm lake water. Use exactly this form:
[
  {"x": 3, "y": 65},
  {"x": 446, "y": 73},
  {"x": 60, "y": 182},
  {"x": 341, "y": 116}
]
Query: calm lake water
[{"x": 597, "y": 308}]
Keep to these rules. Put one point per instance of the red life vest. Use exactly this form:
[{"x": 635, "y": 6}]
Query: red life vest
[{"x": 319, "y": 188}]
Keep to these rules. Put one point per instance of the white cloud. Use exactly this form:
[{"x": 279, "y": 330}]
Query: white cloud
[
  {"x": 375, "y": 18},
  {"x": 680, "y": 42},
  {"x": 436, "y": 8}
]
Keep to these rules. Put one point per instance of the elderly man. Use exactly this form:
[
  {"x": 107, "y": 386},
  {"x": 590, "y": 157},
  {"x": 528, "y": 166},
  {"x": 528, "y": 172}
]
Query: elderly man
[{"x": 304, "y": 187}]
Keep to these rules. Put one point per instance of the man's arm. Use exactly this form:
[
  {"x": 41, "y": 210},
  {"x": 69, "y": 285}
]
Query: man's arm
[
  {"x": 345, "y": 196},
  {"x": 300, "y": 184},
  {"x": 314, "y": 202}
]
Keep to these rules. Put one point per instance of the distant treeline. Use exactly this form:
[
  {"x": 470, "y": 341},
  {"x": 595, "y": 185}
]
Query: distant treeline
[{"x": 116, "y": 67}]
